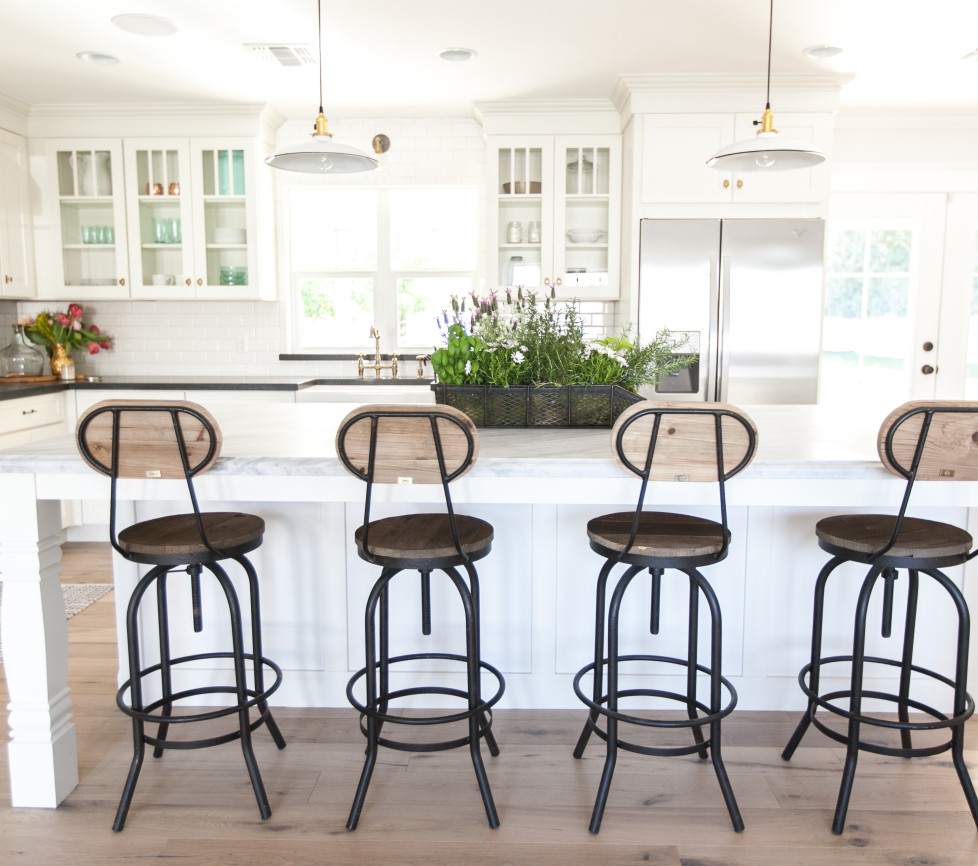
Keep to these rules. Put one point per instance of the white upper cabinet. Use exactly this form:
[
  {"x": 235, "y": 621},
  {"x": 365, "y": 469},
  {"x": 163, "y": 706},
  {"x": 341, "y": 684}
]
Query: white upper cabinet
[
  {"x": 154, "y": 218},
  {"x": 16, "y": 228},
  {"x": 555, "y": 214},
  {"x": 677, "y": 146}
]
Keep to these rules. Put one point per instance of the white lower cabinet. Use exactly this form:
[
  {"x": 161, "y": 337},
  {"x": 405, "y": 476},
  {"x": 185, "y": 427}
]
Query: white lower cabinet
[{"x": 31, "y": 419}]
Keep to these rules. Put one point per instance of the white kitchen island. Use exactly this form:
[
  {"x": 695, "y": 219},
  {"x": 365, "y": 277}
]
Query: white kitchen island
[{"x": 537, "y": 487}]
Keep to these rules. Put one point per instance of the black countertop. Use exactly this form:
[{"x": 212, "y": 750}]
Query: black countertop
[{"x": 9, "y": 390}]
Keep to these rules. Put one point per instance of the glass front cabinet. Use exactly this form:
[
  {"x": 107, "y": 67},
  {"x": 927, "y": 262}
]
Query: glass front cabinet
[
  {"x": 159, "y": 219},
  {"x": 555, "y": 218}
]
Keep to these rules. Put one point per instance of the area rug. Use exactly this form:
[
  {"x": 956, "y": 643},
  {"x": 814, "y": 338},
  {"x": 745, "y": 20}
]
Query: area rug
[{"x": 77, "y": 596}]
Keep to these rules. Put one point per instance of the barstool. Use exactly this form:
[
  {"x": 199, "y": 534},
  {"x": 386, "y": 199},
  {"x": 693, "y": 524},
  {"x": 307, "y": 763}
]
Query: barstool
[
  {"x": 418, "y": 445},
  {"x": 665, "y": 442},
  {"x": 919, "y": 441},
  {"x": 178, "y": 440}
]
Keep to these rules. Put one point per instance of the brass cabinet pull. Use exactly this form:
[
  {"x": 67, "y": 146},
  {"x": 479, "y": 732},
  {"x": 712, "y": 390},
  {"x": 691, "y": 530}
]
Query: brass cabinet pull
[
  {"x": 558, "y": 281},
  {"x": 200, "y": 282},
  {"x": 726, "y": 183},
  {"x": 740, "y": 184},
  {"x": 122, "y": 281},
  {"x": 189, "y": 281}
]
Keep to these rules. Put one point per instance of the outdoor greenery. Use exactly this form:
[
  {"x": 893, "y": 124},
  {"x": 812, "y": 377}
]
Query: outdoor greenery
[{"x": 522, "y": 340}]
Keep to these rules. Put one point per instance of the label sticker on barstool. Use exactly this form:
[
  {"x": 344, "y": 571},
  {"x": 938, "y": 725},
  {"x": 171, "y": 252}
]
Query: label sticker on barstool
[
  {"x": 154, "y": 473},
  {"x": 946, "y": 473},
  {"x": 405, "y": 479}
]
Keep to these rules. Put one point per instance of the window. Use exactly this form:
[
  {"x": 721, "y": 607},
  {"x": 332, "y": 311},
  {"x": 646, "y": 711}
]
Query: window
[
  {"x": 971, "y": 381},
  {"x": 390, "y": 257}
]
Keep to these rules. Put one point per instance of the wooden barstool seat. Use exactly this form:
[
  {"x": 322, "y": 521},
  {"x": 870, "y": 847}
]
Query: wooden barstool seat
[
  {"x": 148, "y": 439},
  {"x": 664, "y": 442},
  {"x": 418, "y": 445},
  {"x": 919, "y": 441}
]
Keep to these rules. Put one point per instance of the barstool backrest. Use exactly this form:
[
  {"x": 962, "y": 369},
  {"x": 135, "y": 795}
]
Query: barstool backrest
[
  {"x": 931, "y": 440},
  {"x": 407, "y": 444},
  {"x": 683, "y": 442},
  {"x": 149, "y": 439}
]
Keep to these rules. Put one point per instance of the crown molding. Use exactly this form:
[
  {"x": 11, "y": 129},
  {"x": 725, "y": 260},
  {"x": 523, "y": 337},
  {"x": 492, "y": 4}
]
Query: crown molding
[
  {"x": 555, "y": 115},
  {"x": 142, "y": 109},
  {"x": 923, "y": 118}
]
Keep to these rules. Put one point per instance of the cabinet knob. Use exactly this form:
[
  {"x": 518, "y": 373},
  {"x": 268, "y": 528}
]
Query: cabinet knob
[
  {"x": 122, "y": 281},
  {"x": 928, "y": 346},
  {"x": 200, "y": 282},
  {"x": 189, "y": 281},
  {"x": 740, "y": 184},
  {"x": 726, "y": 183},
  {"x": 7, "y": 278},
  {"x": 927, "y": 369},
  {"x": 559, "y": 281}
]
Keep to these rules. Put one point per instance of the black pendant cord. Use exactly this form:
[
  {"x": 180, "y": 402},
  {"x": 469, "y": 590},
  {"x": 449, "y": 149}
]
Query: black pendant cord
[
  {"x": 770, "y": 33},
  {"x": 319, "y": 31}
]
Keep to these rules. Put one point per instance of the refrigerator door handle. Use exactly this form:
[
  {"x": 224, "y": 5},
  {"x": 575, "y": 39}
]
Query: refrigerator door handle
[
  {"x": 723, "y": 314},
  {"x": 714, "y": 344}
]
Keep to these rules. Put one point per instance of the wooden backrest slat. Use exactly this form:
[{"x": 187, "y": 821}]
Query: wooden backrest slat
[
  {"x": 686, "y": 446},
  {"x": 405, "y": 444},
  {"x": 147, "y": 445},
  {"x": 951, "y": 450}
]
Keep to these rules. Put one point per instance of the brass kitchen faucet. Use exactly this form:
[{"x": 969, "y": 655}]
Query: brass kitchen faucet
[{"x": 378, "y": 363}]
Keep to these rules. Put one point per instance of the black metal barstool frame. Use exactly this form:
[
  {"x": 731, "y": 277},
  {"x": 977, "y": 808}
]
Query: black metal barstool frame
[
  {"x": 886, "y": 567},
  {"x": 246, "y": 698},
  {"x": 378, "y": 662},
  {"x": 605, "y": 702}
]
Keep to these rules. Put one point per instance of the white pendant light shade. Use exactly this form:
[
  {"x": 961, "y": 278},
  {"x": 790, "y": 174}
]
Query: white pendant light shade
[
  {"x": 767, "y": 151},
  {"x": 322, "y": 155}
]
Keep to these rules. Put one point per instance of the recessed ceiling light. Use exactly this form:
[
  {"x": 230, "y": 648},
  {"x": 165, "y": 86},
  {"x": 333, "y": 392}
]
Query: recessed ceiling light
[
  {"x": 822, "y": 52},
  {"x": 95, "y": 57},
  {"x": 145, "y": 25},
  {"x": 456, "y": 55},
  {"x": 971, "y": 55}
]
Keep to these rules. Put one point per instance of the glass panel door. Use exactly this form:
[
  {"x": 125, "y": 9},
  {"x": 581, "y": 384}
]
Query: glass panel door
[{"x": 883, "y": 257}]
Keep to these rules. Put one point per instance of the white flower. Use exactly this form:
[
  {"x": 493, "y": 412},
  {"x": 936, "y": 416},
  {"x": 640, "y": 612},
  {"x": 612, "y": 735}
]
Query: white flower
[
  {"x": 468, "y": 368},
  {"x": 517, "y": 357}
]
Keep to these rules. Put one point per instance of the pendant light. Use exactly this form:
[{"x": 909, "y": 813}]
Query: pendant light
[
  {"x": 322, "y": 155},
  {"x": 767, "y": 151}
]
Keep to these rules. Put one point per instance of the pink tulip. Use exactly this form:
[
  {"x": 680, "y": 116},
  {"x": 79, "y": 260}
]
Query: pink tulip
[
  {"x": 93, "y": 348},
  {"x": 63, "y": 320},
  {"x": 75, "y": 311},
  {"x": 94, "y": 329},
  {"x": 106, "y": 344}
]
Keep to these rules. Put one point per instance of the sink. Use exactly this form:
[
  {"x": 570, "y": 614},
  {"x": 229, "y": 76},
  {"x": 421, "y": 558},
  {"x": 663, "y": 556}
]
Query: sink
[{"x": 359, "y": 393}]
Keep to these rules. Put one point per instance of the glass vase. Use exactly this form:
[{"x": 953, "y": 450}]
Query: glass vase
[{"x": 20, "y": 358}]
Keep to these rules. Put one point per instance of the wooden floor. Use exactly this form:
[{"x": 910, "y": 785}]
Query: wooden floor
[{"x": 198, "y": 807}]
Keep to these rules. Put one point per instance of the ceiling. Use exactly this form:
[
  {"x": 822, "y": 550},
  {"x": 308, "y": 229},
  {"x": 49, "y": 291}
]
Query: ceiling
[{"x": 379, "y": 56}]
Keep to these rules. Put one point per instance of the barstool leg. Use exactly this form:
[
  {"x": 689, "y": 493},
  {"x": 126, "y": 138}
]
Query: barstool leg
[
  {"x": 597, "y": 691},
  {"x": 469, "y": 594},
  {"x": 166, "y": 679},
  {"x": 692, "y": 652},
  {"x": 855, "y": 700},
  {"x": 611, "y": 756},
  {"x": 241, "y": 688},
  {"x": 960, "y": 689},
  {"x": 258, "y": 670},
  {"x": 370, "y": 681},
  {"x": 814, "y": 669},
  {"x": 487, "y": 733},
  {"x": 716, "y": 657},
  {"x": 906, "y": 662}
]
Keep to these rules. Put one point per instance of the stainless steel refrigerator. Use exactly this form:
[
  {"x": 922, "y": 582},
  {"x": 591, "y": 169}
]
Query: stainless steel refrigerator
[{"x": 748, "y": 295}]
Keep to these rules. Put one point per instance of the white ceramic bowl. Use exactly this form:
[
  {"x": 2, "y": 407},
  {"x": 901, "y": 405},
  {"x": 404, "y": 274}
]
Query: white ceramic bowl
[{"x": 584, "y": 236}]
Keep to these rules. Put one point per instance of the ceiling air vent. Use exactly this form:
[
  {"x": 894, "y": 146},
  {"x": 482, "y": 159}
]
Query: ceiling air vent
[{"x": 284, "y": 55}]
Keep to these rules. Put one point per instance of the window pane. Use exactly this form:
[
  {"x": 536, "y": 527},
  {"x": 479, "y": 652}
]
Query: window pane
[
  {"x": 336, "y": 311},
  {"x": 887, "y": 297},
  {"x": 844, "y": 297},
  {"x": 848, "y": 252},
  {"x": 420, "y": 300},
  {"x": 890, "y": 251},
  {"x": 433, "y": 229},
  {"x": 333, "y": 229}
]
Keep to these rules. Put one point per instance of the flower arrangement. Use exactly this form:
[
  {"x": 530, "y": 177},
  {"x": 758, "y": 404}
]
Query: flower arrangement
[
  {"x": 50, "y": 329},
  {"x": 523, "y": 341}
]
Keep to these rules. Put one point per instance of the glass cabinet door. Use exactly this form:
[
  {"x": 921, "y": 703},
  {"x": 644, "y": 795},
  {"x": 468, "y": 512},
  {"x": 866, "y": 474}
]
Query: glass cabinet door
[
  {"x": 523, "y": 219},
  {"x": 583, "y": 213},
  {"x": 160, "y": 235},
  {"x": 225, "y": 223},
  {"x": 91, "y": 213}
]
